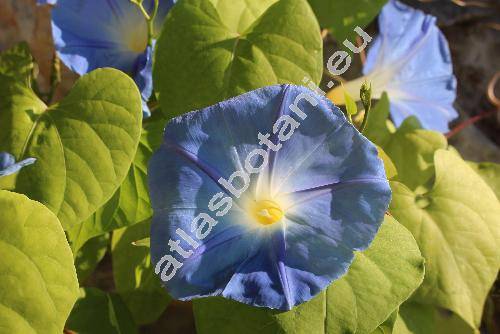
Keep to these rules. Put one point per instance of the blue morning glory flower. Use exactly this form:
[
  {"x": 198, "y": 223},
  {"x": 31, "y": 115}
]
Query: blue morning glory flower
[
  {"x": 107, "y": 33},
  {"x": 411, "y": 61},
  {"x": 8, "y": 164},
  {"x": 263, "y": 198}
]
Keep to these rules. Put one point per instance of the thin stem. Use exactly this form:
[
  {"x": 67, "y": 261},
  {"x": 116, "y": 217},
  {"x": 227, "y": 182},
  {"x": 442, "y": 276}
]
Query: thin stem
[
  {"x": 469, "y": 122},
  {"x": 366, "y": 98},
  {"x": 141, "y": 8},
  {"x": 150, "y": 18},
  {"x": 151, "y": 22},
  {"x": 365, "y": 121},
  {"x": 493, "y": 99},
  {"x": 150, "y": 32}
]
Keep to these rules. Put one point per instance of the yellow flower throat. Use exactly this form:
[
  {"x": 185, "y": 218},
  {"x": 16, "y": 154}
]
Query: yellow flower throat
[{"x": 266, "y": 212}]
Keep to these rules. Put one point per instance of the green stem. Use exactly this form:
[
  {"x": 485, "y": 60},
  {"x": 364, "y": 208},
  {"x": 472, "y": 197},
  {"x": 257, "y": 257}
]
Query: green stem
[
  {"x": 141, "y": 8},
  {"x": 365, "y": 94},
  {"x": 150, "y": 18},
  {"x": 365, "y": 121},
  {"x": 151, "y": 22}
]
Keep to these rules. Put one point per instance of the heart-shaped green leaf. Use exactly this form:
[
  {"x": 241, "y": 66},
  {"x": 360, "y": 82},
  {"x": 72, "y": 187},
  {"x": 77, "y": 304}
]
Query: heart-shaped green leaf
[
  {"x": 490, "y": 173},
  {"x": 416, "y": 318},
  {"x": 376, "y": 129},
  {"x": 379, "y": 280},
  {"x": 134, "y": 276},
  {"x": 387, "y": 327},
  {"x": 341, "y": 16},
  {"x": 98, "y": 312},
  {"x": 410, "y": 147},
  {"x": 88, "y": 257},
  {"x": 211, "y": 50},
  {"x": 456, "y": 224},
  {"x": 37, "y": 276},
  {"x": 98, "y": 224},
  {"x": 390, "y": 169},
  {"x": 134, "y": 205},
  {"x": 130, "y": 203},
  {"x": 84, "y": 145}
]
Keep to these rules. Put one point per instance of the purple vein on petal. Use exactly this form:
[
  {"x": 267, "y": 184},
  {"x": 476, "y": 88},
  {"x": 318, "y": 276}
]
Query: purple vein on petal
[
  {"x": 114, "y": 8},
  {"x": 206, "y": 168},
  {"x": 253, "y": 252},
  {"x": 217, "y": 240},
  {"x": 313, "y": 151},
  {"x": 279, "y": 254},
  {"x": 312, "y": 193},
  {"x": 272, "y": 154},
  {"x": 280, "y": 112}
]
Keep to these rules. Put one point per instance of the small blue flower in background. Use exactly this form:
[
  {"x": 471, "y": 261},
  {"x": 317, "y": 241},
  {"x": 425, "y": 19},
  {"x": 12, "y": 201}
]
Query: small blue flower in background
[
  {"x": 410, "y": 60},
  {"x": 321, "y": 196},
  {"x": 9, "y": 166},
  {"x": 107, "y": 33},
  {"x": 46, "y": 2}
]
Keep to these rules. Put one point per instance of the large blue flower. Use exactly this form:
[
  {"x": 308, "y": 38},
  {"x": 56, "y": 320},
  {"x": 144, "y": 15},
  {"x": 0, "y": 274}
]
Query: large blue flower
[
  {"x": 411, "y": 61},
  {"x": 8, "y": 164},
  {"x": 107, "y": 33},
  {"x": 263, "y": 198}
]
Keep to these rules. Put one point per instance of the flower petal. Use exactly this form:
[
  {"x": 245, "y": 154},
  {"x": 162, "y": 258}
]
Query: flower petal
[
  {"x": 348, "y": 212},
  {"x": 9, "y": 166},
  {"x": 144, "y": 79},
  {"x": 213, "y": 264},
  {"x": 93, "y": 34},
  {"x": 224, "y": 134},
  {"x": 6, "y": 160},
  {"x": 325, "y": 149},
  {"x": 181, "y": 188},
  {"x": 411, "y": 61}
]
